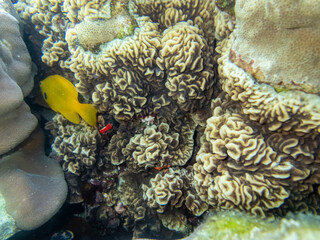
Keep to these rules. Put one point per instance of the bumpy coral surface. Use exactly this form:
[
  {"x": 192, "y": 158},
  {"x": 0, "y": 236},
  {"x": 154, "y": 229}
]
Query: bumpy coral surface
[
  {"x": 146, "y": 70},
  {"x": 170, "y": 190},
  {"x": 279, "y": 42},
  {"x": 16, "y": 81}
]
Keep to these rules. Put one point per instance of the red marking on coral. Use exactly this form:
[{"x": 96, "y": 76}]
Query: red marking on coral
[
  {"x": 106, "y": 128},
  {"x": 160, "y": 168}
]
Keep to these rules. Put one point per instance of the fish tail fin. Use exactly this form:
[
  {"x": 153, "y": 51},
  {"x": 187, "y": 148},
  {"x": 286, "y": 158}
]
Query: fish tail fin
[{"x": 88, "y": 113}]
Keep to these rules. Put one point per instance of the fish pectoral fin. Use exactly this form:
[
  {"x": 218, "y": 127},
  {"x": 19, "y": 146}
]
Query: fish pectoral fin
[{"x": 71, "y": 116}]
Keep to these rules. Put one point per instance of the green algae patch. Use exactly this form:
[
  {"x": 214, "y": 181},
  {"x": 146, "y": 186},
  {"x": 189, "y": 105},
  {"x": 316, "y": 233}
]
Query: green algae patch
[
  {"x": 226, "y": 5},
  {"x": 280, "y": 89},
  {"x": 240, "y": 226},
  {"x": 127, "y": 28}
]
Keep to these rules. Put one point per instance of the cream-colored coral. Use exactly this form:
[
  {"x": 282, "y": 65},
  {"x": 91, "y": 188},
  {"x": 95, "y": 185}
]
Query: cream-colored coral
[
  {"x": 224, "y": 23},
  {"x": 260, "y": 147},
  {"x": 171, "y": 189},
  {"x": 160, "y": 145},
  {"x": 167, "y": 194},
  {"x": 279, "y": 42},
  {"x": 127, "y": 77},
  {"x": 165, "y": 188},
  {"x": 75, "y": 144},
  {"x": 112, "y": 77},
  {"x": 186, "y": 59},
  {"x": 52, "y": 18},
  {"x": 169, "y": 13},
  {"x": 176, "y": 221}
]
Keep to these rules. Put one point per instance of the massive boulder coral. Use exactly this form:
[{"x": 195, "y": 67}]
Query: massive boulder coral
[
  {"x": 16, "y": 82},
  {"x": 32, "y": 186},
  {"x": 279, "y": 42}
]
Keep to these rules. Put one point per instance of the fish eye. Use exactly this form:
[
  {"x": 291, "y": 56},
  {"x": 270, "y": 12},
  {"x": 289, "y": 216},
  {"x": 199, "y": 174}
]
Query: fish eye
[{"x": 45, "y": 95}]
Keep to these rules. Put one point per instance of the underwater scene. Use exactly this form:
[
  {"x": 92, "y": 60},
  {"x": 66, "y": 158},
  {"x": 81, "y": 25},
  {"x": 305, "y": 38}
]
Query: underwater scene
[{"x": 159, "y": 119}]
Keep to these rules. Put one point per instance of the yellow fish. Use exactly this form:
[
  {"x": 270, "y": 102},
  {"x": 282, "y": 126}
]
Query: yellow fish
[{"x": 62, "y": 97}]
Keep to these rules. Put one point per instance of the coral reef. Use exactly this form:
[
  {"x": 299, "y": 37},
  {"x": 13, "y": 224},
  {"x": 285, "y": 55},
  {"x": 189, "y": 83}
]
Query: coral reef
[
  {"x": 161, "y": 145},
  {"x": 171, "y": 157},
  {"x": 244, "y": 165},
  {"x": 134, "y": 72},
  {"x": 75, "y": 145},
  {"x": 172, "y": 186},
  {"x": 169, "y": 192}
]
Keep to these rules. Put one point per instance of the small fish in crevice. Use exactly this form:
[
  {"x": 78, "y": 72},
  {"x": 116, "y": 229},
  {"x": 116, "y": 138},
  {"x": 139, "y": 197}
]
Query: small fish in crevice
[{"x": 62, "y": 97}]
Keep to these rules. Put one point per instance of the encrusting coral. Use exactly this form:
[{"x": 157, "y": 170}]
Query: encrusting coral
[
  {"x": 160, "y": 145},
  {"x": 169, "y": 192},
  {"x": 131, "y": 75},
  {"x": 279, "y": 43}
]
